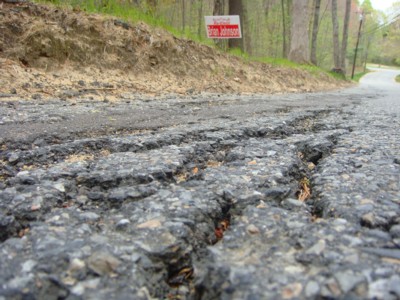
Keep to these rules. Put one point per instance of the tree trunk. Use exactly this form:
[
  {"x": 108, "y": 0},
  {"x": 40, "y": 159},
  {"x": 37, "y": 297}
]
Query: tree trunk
[
  {"x": 284, "y": 45},
  {"x": 183, "y": 16},
  {"x": 345, "y": 36},
  {"x": 299, "y": 41},
  {"x": 200, "y": 19},
  {"x": 335, "y": 24},
  {"x": 152, "y": 6},
  {"x": 317, "y": 9},
  {"x": 219, "y": 10},
  {"x": 236, "y": 8}
]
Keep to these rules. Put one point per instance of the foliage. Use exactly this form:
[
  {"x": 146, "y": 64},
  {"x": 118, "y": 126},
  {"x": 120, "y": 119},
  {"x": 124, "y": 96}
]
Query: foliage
[{"x": 398, "y": 78}]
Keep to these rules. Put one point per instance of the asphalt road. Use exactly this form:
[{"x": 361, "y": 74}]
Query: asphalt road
[{"x": 208, "y": 197}]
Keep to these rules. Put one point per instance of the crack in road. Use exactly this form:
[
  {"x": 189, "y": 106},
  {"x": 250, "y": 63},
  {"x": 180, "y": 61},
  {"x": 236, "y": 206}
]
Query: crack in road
[{"x": 103, "y": 187}]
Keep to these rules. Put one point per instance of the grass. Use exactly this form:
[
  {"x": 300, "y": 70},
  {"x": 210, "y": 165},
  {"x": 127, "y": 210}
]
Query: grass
[
  {"x": 398, "y": 78},
  {"x": 358, "y": 76},
  {"x": 132, "y": 14}
]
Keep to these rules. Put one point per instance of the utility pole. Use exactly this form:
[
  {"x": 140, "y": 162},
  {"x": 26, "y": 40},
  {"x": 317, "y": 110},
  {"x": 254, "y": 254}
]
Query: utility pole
[{"x": 358, "y": 40}]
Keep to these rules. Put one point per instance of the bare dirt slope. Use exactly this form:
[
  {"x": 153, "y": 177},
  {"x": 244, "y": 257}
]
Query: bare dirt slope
[{"x": 48, "y": 52}]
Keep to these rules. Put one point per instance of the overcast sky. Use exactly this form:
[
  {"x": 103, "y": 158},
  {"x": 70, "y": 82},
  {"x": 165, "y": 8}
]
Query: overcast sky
[{"x": 382, "y": 4}]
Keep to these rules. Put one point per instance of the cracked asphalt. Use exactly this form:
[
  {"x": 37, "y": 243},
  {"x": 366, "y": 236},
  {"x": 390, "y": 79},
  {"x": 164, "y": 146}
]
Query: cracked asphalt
[{"x": 206, "y": 197}]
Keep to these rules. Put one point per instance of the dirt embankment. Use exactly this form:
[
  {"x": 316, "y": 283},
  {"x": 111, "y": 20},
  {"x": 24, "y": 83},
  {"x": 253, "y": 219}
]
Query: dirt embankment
[{"x": 48, "y": 52}]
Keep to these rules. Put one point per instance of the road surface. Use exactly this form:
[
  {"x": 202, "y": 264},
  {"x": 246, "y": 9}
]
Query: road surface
[{"x": 209, "y": 197}]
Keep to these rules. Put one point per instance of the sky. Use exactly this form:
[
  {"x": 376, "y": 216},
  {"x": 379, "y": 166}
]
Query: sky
[{"x": 382, "y": 4}]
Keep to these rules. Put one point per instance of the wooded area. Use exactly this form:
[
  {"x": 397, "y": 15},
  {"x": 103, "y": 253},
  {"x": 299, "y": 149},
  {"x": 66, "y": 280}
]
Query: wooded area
[{"x": 321, "y": 32}]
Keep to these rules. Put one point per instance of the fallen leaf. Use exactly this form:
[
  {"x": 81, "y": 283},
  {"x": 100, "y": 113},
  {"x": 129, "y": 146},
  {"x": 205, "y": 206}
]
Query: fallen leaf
[
  {"x": 195, "y": 170},
  {"x": 224, "y": 225},
  {"x": 305, "y": 191},
  {"x": 311, "y": 166},
  {"x": 219, "y": 233},
  {"x": 23, "y": 232},
  {"x": 253, "y": 162},
  {"x": 183, "y": 275}
]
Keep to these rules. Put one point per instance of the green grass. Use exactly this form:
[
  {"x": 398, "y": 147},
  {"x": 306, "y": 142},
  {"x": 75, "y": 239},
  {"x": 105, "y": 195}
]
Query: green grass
[
  {"x": 358, "y": 76},
  {"x": 282, "y": 62},
  {"x": 398, "y": 78}
]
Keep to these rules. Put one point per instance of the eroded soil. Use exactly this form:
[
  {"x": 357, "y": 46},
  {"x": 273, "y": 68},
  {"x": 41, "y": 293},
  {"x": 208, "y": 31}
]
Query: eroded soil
[{"x": 50, "y": 52}]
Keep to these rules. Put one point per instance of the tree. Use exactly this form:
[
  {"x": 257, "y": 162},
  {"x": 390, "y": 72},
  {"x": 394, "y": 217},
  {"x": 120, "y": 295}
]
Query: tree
[
  {"x": 345, "y": 36},
  {"x": 317, "y": 8},
  {"x": 335, "y": 29},
  {"x": 284, "y": 45},
  {"x": 236, "y": 8},
  {"x": 151, "y": 6},
  {"x": 219, "y": 8},
  {"x": 299, "y": 51}
]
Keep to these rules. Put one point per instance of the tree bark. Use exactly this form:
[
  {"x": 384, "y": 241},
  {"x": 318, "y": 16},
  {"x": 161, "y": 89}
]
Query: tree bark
[
  {"x": 183, "y": 16},
  {"x": 236, "y": 8},
  {"x": 299, "y": 48},
  {"x": 152, "y": 6},
  {"x": 335, "y": 24},
  {"x": 345, "y": 36},
  {"x": 284, "y": 45},
  {"x": 219, "y": 10},
  {"x": 200, "y": 19},
  {"x": 317, "y": 9}
]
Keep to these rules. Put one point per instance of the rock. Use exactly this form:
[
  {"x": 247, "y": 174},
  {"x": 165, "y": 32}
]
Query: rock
[
  {"x": 252, "y": 229},
  {"x": 348, "y": 280},
  {"x": 312, "y": 289},
  {"x": 36, "y": 96},
  {"x": 13, "y": 158},
  {"x": 89, "y": 217},
  {"x": 395, "y": 231},
  {"x": 103, "y": 263},
  {"x": 290, "y": 203},
  {"x": 76, "y": 264},
  {"x": 122, "y": 224},
  {"x": 150, "y": 224},
  {"x": 318, "y": 248},
  {"x": 391, "y": 253},
  {"x": 292, "y": 291}
]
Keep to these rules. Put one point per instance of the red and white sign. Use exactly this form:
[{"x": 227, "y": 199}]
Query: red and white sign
[{"x": 223, "y": 27}]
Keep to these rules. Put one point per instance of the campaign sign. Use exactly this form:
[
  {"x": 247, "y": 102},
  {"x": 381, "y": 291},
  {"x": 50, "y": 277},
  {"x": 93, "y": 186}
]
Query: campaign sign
[{"x": 223, "y": 27}]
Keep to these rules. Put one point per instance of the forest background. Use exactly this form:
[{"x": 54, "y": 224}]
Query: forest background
[{"x": 325, "y": 33}]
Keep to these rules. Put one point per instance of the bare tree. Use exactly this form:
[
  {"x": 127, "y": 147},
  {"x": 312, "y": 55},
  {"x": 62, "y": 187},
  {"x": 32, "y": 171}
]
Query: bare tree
[
  {"x": 317, "y": 9},
  {"x": 345, "y": 36},
  {"x": 299, "y": 51},
  {"x": 335, "y": 24}
]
